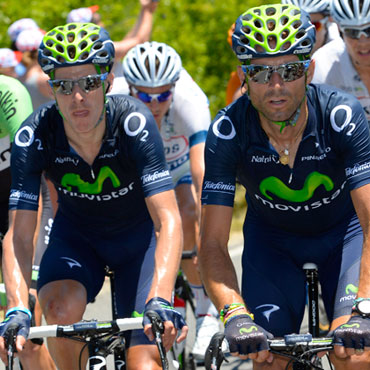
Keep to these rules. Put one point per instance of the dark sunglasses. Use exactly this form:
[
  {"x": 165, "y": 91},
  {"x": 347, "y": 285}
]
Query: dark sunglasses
[
  {"x": 320, "y": 24},
  {"x": 288, "y": 72},
  {"x": 147, "y": 98},
  {"x": 355, "y": 33},
  {"x": 87, "y": 84}
]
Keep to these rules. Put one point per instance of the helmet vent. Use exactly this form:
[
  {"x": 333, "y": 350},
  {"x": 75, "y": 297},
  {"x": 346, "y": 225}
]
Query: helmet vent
[
  {"x": 71, "y": 37},
  {"x": 257, "y": 11},
  {"x": 71, "y": 50},
  {"x": 83, "y": 33},
  {"x": 272, "y": 41},
  {"x": 59, "y": 37},
  {"x": 246, "y": 30},
  {"x": 102, "y": 54},
  {"x": 244, "y": 40},
  {"x": 258, "y": 36},
  {"x": 93, "y": 38},
  {"x": 305, "y": 43},
  {"x": 60, "y": 59},
  {"x": 300, "y": 34},
  {"x": 295, "y": 12},
  {"x": 47, "y": 53},
  {"x": 44, "y": 61},
  {"x": 83, "y": 45},
  {"x": 71, "y": 27},
  {"x": 271, "y": 25},
  {"x": 259, "y": 49},
  {"x": 270, "y": 11},
  {"x": 60, "y": 49},
  {"x": 297, "y": 24},
  {"x": 51, "y": 33},
  {"x": 284, "y": 20},
  {"x": 49, "y": 43},
  {"x": 258, "y": 23},
  {"x": 285, "y": 34},
  {"x": 246, "y": 17},
  {"x": 286, "y": 45},
  {"x": 84, "y": 56},
  {"x": 98, "y": 46},
  {"x": 241, "y": 49}
]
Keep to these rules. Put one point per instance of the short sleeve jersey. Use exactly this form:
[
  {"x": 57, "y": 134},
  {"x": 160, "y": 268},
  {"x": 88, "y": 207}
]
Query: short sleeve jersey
[
  {"x": 110, "y": 193},
  {"x": 332, "y": 159},
  {"x": 186, "y": 123},
  {"x": 15, "y": 107},
  {"x": 333, "y": 66}
]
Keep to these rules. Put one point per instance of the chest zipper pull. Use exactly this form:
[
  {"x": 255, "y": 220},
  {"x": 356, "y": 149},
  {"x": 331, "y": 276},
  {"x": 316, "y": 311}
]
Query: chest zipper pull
[
  {"x": 92, "y": 173},
  {"x": 290, "y": 177}
]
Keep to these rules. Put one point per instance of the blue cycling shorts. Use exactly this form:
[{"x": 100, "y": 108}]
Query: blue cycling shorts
[
  {"x": 81, "y": 254},
  {"x": 274, "y": 283}
]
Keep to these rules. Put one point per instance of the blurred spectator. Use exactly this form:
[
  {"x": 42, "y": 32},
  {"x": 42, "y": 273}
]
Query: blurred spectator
[{"x": 8, "y": 62}]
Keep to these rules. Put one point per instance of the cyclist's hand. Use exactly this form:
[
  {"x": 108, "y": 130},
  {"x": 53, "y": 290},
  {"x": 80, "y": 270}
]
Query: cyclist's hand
[
  {"x": 172, "y": 321},
  {"x": 352, "y": 337},
  {"x": 247, "y": 339},
  {"x": 22, "y": 322}
]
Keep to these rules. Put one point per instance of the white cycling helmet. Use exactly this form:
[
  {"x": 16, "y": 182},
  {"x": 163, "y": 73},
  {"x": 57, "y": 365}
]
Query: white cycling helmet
[
  {"x": 20, "y": 25},
  {"x": 351, "y": 13},
  {"x": 311, "y": 6},
  {"x": 151, "y": 64},
  {"x": 29, "y": 40}
]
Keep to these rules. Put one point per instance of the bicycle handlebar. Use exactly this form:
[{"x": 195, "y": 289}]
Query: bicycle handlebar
[{"x": 293, "y": 345}]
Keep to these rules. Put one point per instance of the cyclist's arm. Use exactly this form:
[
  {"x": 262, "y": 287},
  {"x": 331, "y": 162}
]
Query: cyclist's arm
[
  {"x": 141, "y": 30},
  {"x": 196, "y": 154},
  {"x": 216, "y": 267},
  {"x": 17, "y": 261},
  {"x": 166, "y": 218}
]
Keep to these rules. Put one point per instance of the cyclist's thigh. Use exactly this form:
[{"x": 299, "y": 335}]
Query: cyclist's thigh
[
  {"x": 339, "y": 276},
  {"x": 134, "y": 268},
  {"x": 70, "y": 255},
  {"x": 273, "y": 285}
]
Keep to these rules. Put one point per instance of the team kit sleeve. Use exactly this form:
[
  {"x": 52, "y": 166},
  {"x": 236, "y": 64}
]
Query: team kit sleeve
[
  {"x": 350, "y": 131},
  {"x": 27, "y": 163},
  {"x": 18, "y": 107},
  {"x": 146, "y": 149},
  {"x": 221, "y": 159}
]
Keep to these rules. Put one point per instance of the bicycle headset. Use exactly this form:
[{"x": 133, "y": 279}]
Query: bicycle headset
[{"x": 152, "y": 64}]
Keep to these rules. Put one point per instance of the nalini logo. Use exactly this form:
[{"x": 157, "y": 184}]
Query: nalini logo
[
  {"x": 275, "y": 186},
  {"x": 70, "y": 180}
]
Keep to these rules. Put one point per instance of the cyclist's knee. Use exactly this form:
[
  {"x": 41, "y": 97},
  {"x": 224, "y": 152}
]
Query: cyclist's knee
[
  {"x": 358, "y": 362},
  {"x": 63, "y": 301},
  {"x": 143, "y": 357}
]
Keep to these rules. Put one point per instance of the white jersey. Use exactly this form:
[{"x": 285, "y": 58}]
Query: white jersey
[
  {"x": 333, "y": 66},
  {"x": 186, "y": 123}
]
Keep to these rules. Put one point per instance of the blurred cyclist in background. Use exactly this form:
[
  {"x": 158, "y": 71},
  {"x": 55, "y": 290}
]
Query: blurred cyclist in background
[
  {"x": 345, "y": 63},
  {"x": 139, "y": 33},
  {"x": 155, "y": 76},
  {"x": 12, "y": 114}
]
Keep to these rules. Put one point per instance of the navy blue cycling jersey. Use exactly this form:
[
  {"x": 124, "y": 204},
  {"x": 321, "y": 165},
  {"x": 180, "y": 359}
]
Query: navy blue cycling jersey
[
  {"x": 332, "y": 159},
  {"x": 107, "y": 195}
]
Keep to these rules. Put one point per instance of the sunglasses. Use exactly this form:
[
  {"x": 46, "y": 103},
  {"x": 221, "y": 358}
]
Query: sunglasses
[
  {"x": 87, "y": 84},
  {"x": 288, "y": 72},
  {"x": 320, "y": 24},
  {"x": 355, "y": 33},
  {"x": 147, "y": 98}
]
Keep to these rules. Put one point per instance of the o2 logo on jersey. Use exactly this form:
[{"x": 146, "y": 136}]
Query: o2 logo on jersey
[
  {"x": 342, "y": 110},
  {"x": 228, "y": 130},
  {"x": 175, "y": 147},
  {"x": 134, "y": 124},
  {"x": 25, "y": 137}
]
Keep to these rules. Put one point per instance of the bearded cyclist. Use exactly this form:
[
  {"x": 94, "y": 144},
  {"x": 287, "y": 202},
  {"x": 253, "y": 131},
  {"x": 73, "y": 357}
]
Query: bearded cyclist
[
  {"x": 155, "y": 75},
  {"x": 117, "y": 206},
  {"x": 302, "y": 152}
]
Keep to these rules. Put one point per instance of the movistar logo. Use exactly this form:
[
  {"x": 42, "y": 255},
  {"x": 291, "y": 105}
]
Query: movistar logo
[
  {"x": 355, "y": 325},
  {"x": 275, "y": 186},
  {"x": 70, "y": 180},
  {"x": 248, "y": 330},
  {"x": 350, "y": 288}
]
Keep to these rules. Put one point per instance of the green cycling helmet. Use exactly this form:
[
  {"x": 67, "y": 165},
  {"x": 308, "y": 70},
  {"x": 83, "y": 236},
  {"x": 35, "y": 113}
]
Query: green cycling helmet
[
  {"x": 76, "y": 44},
  {"x": 273, "y": 30}
]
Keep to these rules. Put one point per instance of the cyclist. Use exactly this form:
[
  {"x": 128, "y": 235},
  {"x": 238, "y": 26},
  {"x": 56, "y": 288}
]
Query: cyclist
[
  {"x": 302, "y": 153},
  {"x": 105, "y": 157},
  {"x": 140, "y": 32},
  {"x": 15, "y": 108},
  {"x": 154, "y": 73},
  {"x": 344, "y": 63},
  {"x": 319, "y": 11}
]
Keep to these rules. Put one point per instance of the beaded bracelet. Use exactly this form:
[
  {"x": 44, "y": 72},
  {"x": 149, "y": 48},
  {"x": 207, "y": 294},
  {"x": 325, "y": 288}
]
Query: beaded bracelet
[
  {"x": 230, "y": 310},
  {"x": 21, "y": 309}
]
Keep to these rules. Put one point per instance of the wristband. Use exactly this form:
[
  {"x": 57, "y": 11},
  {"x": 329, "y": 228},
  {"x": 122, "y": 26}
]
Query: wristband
[
  {"x": 21, "y": 309},
  {"x": 230, "y": 310}
]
